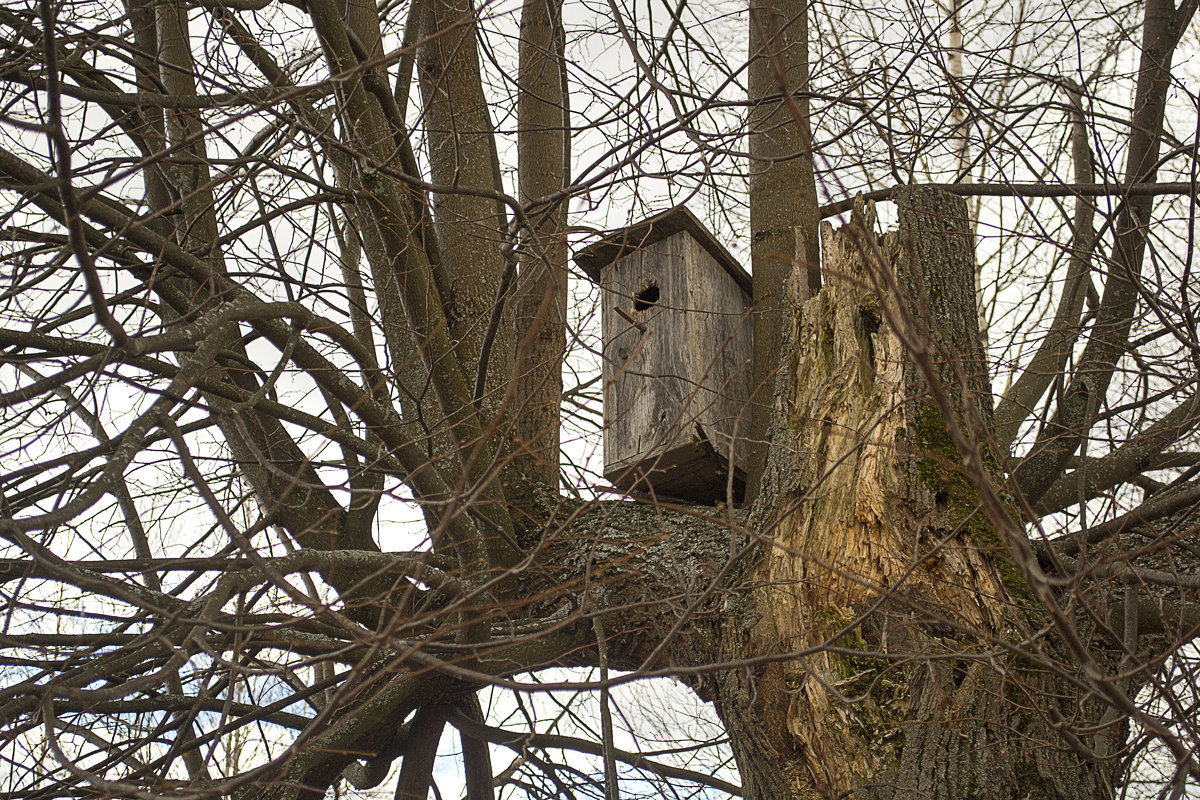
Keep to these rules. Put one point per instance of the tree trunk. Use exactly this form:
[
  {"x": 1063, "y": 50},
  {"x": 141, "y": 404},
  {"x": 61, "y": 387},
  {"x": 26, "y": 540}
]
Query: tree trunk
[
  {"x": 541, "y": 296},
  {"x": 462, "y": 162},
  {"x": 783, "y": 191},
  {"x": 884, "y": 596}
]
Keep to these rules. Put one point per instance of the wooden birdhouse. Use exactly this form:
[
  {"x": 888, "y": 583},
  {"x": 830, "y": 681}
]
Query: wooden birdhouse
[{"x": 677, "y": 340}]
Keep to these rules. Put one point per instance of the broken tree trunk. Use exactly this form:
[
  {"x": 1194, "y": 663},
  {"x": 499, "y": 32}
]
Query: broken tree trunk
[{"x": 903, "y": 652}]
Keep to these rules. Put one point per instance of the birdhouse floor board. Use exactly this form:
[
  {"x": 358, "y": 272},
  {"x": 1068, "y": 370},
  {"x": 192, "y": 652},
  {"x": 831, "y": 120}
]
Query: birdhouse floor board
[{"x": 693, "y": 472}]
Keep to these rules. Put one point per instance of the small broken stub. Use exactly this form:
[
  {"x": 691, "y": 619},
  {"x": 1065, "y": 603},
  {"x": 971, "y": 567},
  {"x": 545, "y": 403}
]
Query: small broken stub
[{"x": 646, "y": 297}]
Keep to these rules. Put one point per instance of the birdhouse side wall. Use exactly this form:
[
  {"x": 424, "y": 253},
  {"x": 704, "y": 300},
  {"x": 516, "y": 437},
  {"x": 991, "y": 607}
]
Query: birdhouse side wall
[{"x": 719, "y": 340}]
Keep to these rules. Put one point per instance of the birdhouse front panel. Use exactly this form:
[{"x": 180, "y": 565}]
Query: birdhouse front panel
[
  {"x": 677, "y": 342},
  {"x": 646, "y": 375}
]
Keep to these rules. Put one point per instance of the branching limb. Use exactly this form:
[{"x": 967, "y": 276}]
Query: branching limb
[
  {"x": 521, "y": 741},
  {"x": 1088, "y": 384},
  {"x": 1054, "y": 351}
]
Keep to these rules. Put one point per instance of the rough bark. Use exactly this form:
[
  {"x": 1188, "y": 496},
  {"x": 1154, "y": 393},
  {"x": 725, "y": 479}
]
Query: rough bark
[{"x": 885, "y": 593}]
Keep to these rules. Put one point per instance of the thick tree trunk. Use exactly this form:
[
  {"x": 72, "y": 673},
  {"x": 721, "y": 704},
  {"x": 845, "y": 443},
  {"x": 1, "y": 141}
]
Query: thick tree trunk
[
  {"x": 462, "y": 156},
  {"x": 541, "y": 296},
  {"x": 886, "y": 596},
  {"x": 783, "y": 190}
]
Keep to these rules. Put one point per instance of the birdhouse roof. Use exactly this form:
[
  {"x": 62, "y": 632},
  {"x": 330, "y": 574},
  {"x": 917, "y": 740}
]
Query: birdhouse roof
[{"x": 619, "y": 243}]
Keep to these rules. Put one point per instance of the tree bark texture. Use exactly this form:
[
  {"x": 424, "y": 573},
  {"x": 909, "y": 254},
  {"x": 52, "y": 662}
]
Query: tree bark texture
[
  {"x": 541, "y": 296},
  {"x": 462, "y": 156},
  {"x": 887, "y": 604},
  {"x": 783, "y": 194}
]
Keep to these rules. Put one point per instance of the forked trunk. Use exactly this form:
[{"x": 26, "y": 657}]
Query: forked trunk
[{"x": 896, "y": 623}]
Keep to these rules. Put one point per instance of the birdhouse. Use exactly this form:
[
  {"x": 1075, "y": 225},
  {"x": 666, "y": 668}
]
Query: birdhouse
[{"x": 677, "y": 340}]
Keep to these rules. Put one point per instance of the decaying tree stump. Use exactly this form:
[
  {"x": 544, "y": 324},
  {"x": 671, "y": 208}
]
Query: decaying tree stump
[{"x": 892, "y": 619}]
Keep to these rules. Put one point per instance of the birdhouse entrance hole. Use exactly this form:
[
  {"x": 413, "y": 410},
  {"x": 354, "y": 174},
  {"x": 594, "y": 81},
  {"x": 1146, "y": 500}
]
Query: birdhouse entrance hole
[{"x": 646, "y": 298}]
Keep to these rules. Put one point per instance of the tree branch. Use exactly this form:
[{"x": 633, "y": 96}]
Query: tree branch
[
  {"x": 1142, "y": 189},
  {"x": 520, "y": 741}
]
